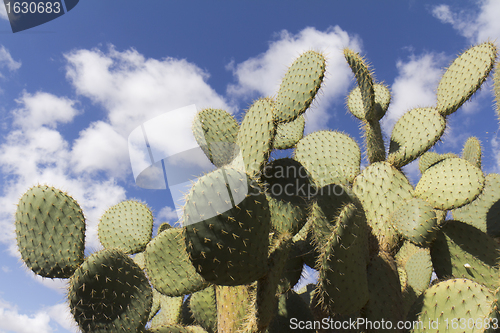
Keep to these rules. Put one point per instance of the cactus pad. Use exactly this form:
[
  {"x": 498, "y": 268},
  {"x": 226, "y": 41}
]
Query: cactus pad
[
  {"x": 484, "y": 212},
  {"x": 227, "y": 228},
  {"x": 386, "y": 300},
  {"x": 50, "y": 231},
  {"x": 345, "y": 251},
  {"x": 288, "y": 187},
  {"x": 365, "y": 83},
  {"x": 204, "y": 309},
  {"x": 460, "y": 250},
  {"x": 429, "y": 158},
  {"x": 288, "y": 134},
  {"x": 109, "y": 292},
  {"x": 472, "y": 151},
  {"x": 216, "y": 132},
  {"x": 380, "y": 187},
  {"x": 457, "y": 305},
  {"x": 382, "y": 100},
  {"x": 255, "y": 137},
  {"x": 168, "y": 266},
  {"x": 417, "y": 264},
  {"x": 127, "y": 226},
  {"x": 413, "y": 134},
  {"x": 330, "y": 157},
  {"x": 415, "y": 220},
  {"x": 299, "y": 86},
  {"x": 464, "y": 76},
  {"x": 450, "y": 184}
]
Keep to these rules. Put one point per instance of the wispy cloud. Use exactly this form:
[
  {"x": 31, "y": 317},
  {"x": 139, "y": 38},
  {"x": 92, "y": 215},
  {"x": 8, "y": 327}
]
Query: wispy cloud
[
  {"x": 43, "y": 109},
  {"x": 13, "y": 321},
  {"x": 261, "y": 75},
  {"x": 477, "y": 26},
  {"x": 42, "y": 321},
  {"x": 133, "y": 89},
  {"x": 6, "y": 59},
  {"x": 3, "y": 13},
  {"x": 415, "y": 85}
]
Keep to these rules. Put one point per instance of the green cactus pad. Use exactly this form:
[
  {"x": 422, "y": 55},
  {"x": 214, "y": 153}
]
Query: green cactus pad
[
  {"x": 299, "y": 86},
  {"x": 140, "y": 260},
  {"x": 472, "y": 151},
  {"x": 460, "y": 250},
  {"x": 288, "y": 134},
  {"x": 255, "y": 137},
  {"x": 464, "y": 76},
  {"x": 109, "y": 293},
  {"x": 429, "y": 159},
  {"x": 216, "y": 132},
  {"x": 227, "y": 224},
  {"x": 381, "y": 188},
  {"x": 457, "y": 305},
  {"x": 203, "y": 306},
  {"x": 290, "y": 306},
  {"x": 345, "y": 251},
  {"x": 496, "y": 89},
  {"x": 386, "y": 300},
  {"x": 169, "y": 310},
  {"x": 484, "y": 212},
  {"x": 417, "y": 264},
  {"x": 330, "y": 157},
  {"x": 325, "y": 210},
  {"x": 163, "y": 226},
  {"x": 413, "y": 134},
  {"x": 127, "y": 226},
  {"x": 382, "y": 100},
  {"x": 168, "y": 266},
  {"x": 176, "y": 329},
  {"x": 293, "y": 268},
  {"x": 155, "y": 306},
  {"x": 50, "y": 232},
  {"x": 365, "y": 83},
  {"x": 415, "y": 219},
  {"x": 287, "y": 188},
  {"x": 450, "y": 184},
  {"x": 266, "y": 294}
]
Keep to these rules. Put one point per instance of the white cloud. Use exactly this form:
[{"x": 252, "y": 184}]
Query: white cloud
[
  {"x": 262, "y": 75},
  {"x": 479, "y": 26},
  {"x": 167, "y": 213},
  {"x": 61, "y": 314},
  {"x": 42, "y": 321},
  {"x": 41, "y": 155},
  {"x": 415, "y": 86},
  {"x": 13, "y": 321},
  {"x": 100, "y": 148},
  {"x": 3, "y": 13},
  {"x": 6, "y": 59},
  {"x": 133, "y": 89},
  {"x": 43, "y": 109}
]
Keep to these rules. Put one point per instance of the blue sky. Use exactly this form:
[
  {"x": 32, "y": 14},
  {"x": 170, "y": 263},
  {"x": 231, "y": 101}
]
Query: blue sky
[{"x": 73, "y": 89}]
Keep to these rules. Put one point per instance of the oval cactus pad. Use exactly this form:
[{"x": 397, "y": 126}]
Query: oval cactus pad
[
  {"x": 127, "y": 226},
  {"x": 50, "y": 231},
  {"x": 450, "y": 184}
]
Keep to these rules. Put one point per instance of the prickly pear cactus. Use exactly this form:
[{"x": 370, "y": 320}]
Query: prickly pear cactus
[{"x": 251, "y": 225}]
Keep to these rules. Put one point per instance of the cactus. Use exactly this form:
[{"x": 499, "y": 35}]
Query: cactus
[{"x": 232, "y": 266}]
